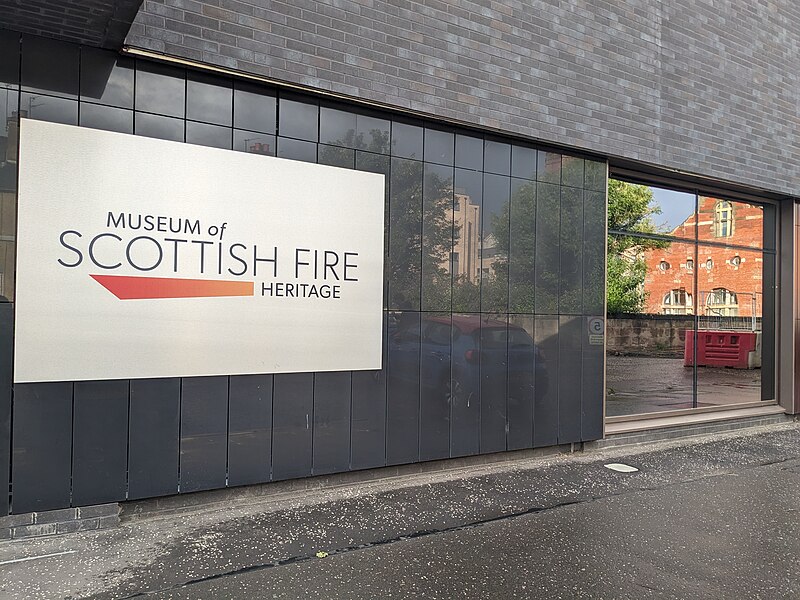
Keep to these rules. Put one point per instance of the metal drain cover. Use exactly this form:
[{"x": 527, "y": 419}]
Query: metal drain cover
[{"x": 621, "y": 468}]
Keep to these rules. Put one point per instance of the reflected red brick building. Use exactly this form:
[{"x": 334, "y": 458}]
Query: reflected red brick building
[{"x": 719, "y": 281}]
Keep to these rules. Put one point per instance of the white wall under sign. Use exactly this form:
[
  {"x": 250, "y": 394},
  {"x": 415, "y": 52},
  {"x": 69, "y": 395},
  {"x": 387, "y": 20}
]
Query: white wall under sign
[{"x": 139, "y": 258}]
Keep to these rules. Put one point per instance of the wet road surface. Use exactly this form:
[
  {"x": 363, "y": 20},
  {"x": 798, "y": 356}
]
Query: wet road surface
[{"x": 712, "y": 517}]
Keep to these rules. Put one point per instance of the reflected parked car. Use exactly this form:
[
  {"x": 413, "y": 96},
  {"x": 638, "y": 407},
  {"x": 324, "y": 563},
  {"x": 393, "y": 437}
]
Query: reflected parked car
[{"x": 460, "y": 359}]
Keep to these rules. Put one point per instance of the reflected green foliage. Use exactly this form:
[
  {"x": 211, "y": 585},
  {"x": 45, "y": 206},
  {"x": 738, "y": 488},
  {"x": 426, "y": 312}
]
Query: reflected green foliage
[
  {"x": 417, "y": 255},
  {"x": 625, "y": 284},
  {"x": 548, "y": 247},
  {"x": 437, "y": 240},
  {"x": 412, "y": 250},
  {"x": 629, "y": 209},
  {"x": 514, "y": 230},
  {"x": 466, "y": 295}
]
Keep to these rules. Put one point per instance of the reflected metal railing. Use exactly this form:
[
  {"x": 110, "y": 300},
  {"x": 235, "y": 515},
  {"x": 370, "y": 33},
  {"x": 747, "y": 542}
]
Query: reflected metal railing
[{"x": 729, "y": 315}]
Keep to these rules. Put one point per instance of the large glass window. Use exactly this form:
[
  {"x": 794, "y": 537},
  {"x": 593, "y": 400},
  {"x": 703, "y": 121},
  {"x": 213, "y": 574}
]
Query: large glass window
[{"x": 690, "y": 300}]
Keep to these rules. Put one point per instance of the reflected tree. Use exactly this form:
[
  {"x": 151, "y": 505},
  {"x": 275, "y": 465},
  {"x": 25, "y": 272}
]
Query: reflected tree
[
  {"x": 411, "y": 249},
  {"x": 629, "y": 210},
  {"x": 513, "y": 230},
  {"x": 437, "y": 238}
]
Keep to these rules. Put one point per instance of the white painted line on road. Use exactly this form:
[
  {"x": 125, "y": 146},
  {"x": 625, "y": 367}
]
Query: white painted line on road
[
  {"x": 621, "y": 468},
  {"x": 18, "y": 560}
]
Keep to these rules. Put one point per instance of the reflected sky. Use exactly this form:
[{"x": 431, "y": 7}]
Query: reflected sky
[{"x": 675, "y": 207}]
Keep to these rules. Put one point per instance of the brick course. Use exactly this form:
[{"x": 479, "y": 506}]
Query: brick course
[
  {"x": 65, "y": 520},
  {"x": 95, "y": 22},
  {"x": 705, "y": 86}
]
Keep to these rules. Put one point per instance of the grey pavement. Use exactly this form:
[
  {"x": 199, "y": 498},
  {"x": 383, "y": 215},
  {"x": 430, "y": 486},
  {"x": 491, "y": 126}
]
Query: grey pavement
[{"x": 708, "y": 517}]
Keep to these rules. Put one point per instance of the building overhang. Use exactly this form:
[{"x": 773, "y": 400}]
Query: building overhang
[{"x": 102, "y": 23}]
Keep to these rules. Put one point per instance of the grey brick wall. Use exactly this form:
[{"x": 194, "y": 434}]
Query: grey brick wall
[
  {"x": 65, "y": 520},
  {"x": 705, "y": 86},
  {"x": 95, "y": 22}
]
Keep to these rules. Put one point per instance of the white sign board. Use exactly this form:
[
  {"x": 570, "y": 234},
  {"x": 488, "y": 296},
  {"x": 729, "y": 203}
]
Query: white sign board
[{"x": 139, "y": 257}]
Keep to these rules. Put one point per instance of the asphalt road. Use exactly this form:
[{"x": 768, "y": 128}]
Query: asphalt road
[{"x": 716, "y": 517}]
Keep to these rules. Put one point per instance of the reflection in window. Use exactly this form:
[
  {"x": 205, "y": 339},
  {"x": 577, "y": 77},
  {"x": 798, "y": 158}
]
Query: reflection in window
[
  {"x": 723, "y": 219},
  {"x": 677, "y": 302},
  {"x": 109, "y": 118},
  {"x": 160, "y": 89},
  {"x": 247, "y": 141},
  {"x": 253, "y": 108},
  {"x": 665, "y": 349},
  {"x": 298, "y": 120},
  {"x": 48, "y": 108},
  {"x": 722, "y": 302}
]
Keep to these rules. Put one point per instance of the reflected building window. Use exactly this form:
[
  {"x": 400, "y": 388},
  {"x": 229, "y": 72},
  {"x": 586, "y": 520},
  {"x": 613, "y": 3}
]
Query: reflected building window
[
  {"x": 723, "y": 219},
  {"x": 722, "y": 302},
  {"x": 454, "y": 266},
  {"x": 677, "y": 302},
  {"x": 466, "y": 243}
]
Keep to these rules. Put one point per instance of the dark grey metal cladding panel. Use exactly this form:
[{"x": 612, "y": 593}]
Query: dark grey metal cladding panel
[
  {"x": 249, "y": 429},
  {"x": 571, "y": 251},
  {"x": 570, "y": 365},
  {"x": 42, "y": 438},
  {"x": 545, "y": 424},
  {"x": 50, "y": 66},
  {"x": 153, "y": 437},
  {"x": 494, "y": 227},
  {"x": 465, "y": 432},
  {"x": 405, "y": 223},
  {"x": 368, "y": 427},
  {"x": 332, "y": 392},
  {"x": 548, "y": 218},
  {"x": 434, "y": 409},
  {"x": 594, "y": 256},
  {"x": 494, "y": 383},
  {"x": 770, "y": 226},
  {"x": 402, "y": 411},
  {"x": 522, "y": 246},
  {"x": 521, "y": 381},
  {"x": 292, "y": 414},
  {"x": 9, "y": 50},
  {"x": 6, "y": 374},
  {"x": 377, "y": 163},
  {"x": 204, "y": 433},
  {"x": 592, "y": 387},
  {"x": 437, "y": 235},
  {"x": 100, "y": 442}
]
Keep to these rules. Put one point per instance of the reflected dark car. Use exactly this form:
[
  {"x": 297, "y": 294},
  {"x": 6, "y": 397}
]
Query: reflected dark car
[{"x": 462, "y": 359}]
